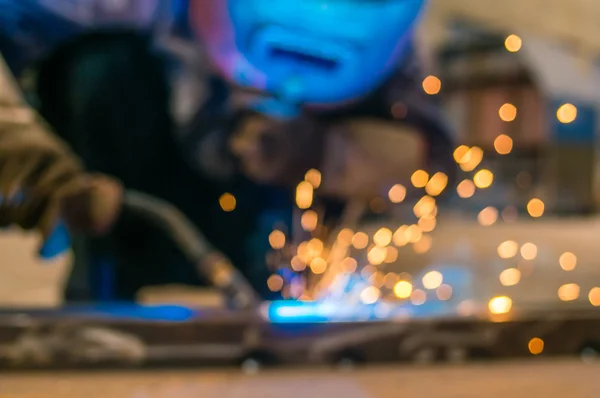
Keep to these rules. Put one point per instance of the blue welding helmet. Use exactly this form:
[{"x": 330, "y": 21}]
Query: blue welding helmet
[{"x": 315, "y": 52}]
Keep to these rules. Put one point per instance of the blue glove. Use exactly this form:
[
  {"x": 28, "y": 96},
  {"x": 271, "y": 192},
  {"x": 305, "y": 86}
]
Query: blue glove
[{"x": 58, "y": 243}]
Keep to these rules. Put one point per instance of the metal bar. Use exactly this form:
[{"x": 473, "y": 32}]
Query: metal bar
[{"x": 210, "y": 263}]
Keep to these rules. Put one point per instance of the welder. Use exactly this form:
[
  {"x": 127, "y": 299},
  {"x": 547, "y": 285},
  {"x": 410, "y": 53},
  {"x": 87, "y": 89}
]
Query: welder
[{"x": 331, "y": 85}]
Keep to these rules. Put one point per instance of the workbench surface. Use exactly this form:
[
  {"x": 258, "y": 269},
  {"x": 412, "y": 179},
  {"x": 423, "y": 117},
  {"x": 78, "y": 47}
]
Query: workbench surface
[{"x": 532, "y": 379}]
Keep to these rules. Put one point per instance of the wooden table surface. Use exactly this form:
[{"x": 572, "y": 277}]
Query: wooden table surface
[{"x": 531, "y": 379}]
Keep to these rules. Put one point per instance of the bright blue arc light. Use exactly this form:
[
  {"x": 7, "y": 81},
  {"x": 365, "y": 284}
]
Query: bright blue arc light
[{"x": 326, "y": 312}]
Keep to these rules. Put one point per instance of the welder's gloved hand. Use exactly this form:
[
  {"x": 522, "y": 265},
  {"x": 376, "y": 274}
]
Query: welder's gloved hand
[
  {"x": 364, "y": 158},
  {"x": 276, "y": 151},
  {"x": 43, "y": 182}
]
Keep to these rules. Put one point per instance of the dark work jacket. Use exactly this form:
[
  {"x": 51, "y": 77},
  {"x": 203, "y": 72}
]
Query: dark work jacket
[{"x": 108, "y": 96}]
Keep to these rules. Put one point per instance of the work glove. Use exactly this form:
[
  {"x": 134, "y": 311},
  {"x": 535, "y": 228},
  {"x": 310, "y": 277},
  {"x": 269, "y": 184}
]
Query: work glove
[
  {"x": 275, "y": 151},
  {"x": 41, "y": 181}
]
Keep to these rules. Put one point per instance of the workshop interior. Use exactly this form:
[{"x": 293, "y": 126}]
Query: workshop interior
[{"x": 232, "y": 197}]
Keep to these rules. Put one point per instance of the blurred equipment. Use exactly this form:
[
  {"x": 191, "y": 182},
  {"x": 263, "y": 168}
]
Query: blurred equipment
[
  {"x": 532, "y": 107},
  {"x": 571, "y": 24}
]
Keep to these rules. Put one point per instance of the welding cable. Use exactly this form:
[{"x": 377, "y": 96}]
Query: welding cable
[{"x": 210, "y": 263}]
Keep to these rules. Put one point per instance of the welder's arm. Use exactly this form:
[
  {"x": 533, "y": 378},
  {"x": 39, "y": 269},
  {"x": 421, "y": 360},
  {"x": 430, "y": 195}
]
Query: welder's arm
[
  {"x": 41, "y": 181},
  {"x": 359, "y": 159},
  {"x": 278, "y": 152}
]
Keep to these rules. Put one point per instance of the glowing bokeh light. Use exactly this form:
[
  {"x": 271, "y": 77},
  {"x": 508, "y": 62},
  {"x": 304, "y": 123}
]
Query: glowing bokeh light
[
  {"x": 444, "y": 292},
  {"x": 508, "y": 112},
  {"x": 569, "y": 292},
  {"x": 277, "y": 239},
  {"x": 313, "y": 176},
  {"x": 376, "y": 255},
  {"x": 345, "y": 236},
  {"x": 315, "y": 247},
  {"x": 483, "y": 179},
  {"x": 309, "y": 220},
  {"x": 436, "y": 184},
  {"x": 536, "y": 346},
  {"x": 465, "y": 189},
  {"x": 503, "y": 144},
  {"x": 382, "y": 237},
  {"x": 376, "y": 279},
  {"x": 391, "y": 255},
  {"x": 403, "y": 289},
  {"x": 227, "y": 202},
  {"x": 535, "y": 208},
  {"x": 397, "y": 193},
  {"x": 513, "y": 43},
  {"x": 303, "y": 252},
  {"x": 594, "y": 296},
  {"x": 275, "y": 283},
  {"x": 413, "y": 233},
  {"x": 368, "y": 270},
  {"x": 500, "y": 305},
  {"x": 399, "y": 238},
  {"x": 370, "y": 295},
  {"x": 472, "y": 159},
  {"x": 466, "y": 308},
  {"x": 297, "y": 264},
  {"x": 488, "y": 216},
  {"x": 419, "y": 178},
  {"x": 418, "y": 297},
  {"x": 424, "y": 207},
  {"x": 391, "y": 279},
  {"x": 567, "y": 113},
  {"x": 529, "y": 251},
  {"x": 427, "y": 224},
  {"x": 432, "y": 280},
  {"x": 460, "y": 152},
  {"x": 508, "y": 249},
  {"x": 360, "y": 240},
  {"x": 567, "y": 261},
  {"x": 423, "y": 245},
  {"x": 304, "y": 195},
  {"x": 510, "y": 277},
  {"x": 318, "y": 265},
  {"x": 432, "y": 85},
  {"x": 349, "y": 265}
]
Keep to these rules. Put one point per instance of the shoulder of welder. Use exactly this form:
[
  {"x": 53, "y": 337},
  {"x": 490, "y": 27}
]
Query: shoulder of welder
[
  {"x": 31, "y": 28},
  {"x": 411, "y": 105}
]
